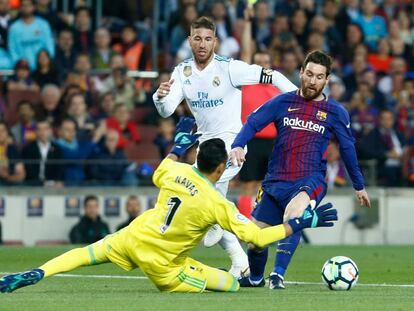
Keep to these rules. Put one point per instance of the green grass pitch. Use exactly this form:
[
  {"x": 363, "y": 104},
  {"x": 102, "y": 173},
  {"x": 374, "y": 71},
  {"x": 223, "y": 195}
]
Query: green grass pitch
[{"x": 378, "y": 265}]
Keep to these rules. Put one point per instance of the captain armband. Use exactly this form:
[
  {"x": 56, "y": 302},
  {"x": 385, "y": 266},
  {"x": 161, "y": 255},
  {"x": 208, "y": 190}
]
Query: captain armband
[{"x": 266, "y": 76}]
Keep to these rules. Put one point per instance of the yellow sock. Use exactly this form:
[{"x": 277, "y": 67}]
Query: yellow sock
[{"x": 75, "y": 258}]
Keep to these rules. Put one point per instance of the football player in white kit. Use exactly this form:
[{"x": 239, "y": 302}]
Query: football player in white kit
[{"x": 211, "y": 84}]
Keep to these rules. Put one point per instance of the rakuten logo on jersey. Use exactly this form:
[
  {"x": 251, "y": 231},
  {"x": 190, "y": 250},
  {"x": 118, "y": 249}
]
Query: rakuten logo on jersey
[{"x": 298, "y": 124}]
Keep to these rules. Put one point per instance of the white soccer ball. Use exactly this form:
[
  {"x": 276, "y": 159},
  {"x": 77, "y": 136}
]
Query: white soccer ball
[{"x": 340, "y": 273}]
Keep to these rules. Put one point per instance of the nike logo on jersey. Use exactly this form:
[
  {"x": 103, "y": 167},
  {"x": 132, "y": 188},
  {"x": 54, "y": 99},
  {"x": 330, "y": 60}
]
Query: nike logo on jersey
[
  {"x": 293, "y": 109},
  {"x": 348, "y": 125}
]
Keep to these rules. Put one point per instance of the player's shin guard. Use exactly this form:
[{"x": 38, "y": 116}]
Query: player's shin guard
[
  {"x": 285, "y": 250},
  {"x": 239, "y": 261},
  {"x": 257, "y": 263}
]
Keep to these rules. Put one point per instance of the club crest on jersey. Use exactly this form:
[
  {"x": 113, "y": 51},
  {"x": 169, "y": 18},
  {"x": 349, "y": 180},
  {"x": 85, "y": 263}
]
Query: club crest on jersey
[
  {"x": 216, "y": 81},
  {"x": 187, "y": 71},
  {"x": 321, "y": 115}
]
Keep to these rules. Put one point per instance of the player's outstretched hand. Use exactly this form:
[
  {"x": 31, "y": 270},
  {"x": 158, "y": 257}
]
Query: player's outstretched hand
[
  {"x": 164, "y": 89},
  {"x": 185, "y": 125},
  {"x": 322, "y": 216},
  {"x": 363, "y": 198},
  {"x": 237, "y": 156}
]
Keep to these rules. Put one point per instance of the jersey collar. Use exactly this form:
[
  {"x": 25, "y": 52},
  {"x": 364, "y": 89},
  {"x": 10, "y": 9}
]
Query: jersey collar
[{"x": 202, "y": 176}]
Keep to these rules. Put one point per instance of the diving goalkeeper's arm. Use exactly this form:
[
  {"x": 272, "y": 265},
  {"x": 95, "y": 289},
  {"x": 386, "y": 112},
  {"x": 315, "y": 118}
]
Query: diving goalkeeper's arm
[{"x": 231, "y": 220}]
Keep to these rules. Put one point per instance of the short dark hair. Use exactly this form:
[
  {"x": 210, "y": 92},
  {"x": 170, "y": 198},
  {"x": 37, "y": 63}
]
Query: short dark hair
[
  {"x": 320, "y": 58},
  {"x": 24, "y": 102},
  {"x": 88, "y": 198},
  {"x": 211, "y": 154},
  {"x": 204, "y": 22},
  {"x": 3, "y": 123}
]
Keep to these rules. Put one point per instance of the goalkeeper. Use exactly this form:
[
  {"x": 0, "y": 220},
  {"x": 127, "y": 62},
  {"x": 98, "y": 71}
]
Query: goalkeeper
[{"x": 160, "y": 240}]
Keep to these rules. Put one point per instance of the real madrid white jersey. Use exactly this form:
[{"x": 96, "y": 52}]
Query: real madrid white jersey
[{"x": 213, "y": 94}]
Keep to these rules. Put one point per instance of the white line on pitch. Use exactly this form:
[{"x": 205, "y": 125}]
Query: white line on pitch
[{"x": 136, "y": 277}]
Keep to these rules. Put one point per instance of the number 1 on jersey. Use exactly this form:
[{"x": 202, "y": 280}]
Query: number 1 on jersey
[{"x": 173, "y": 204}]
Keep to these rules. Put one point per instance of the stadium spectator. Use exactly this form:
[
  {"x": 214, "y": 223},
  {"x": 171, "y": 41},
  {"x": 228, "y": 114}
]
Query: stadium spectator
[
  {"x": 121, "y": 122},
  {"x": 404, "y": 29},
  {"x": 348, "y": 13},
  {"x": 373, "y": 26},
  {"x": 181, "y": 31},
  {"x": 335, "y": 169},
  {"x": 353, "y": 38},
  {"x": 109, "y": 165},
  {"x": 5, "y": 21},
  {"x": 42, "y": 158},
  {"x": 369, "y": 77},
  {"x": 359, "y": 65},
  {"x": 363, "y": 114},
  {"x": 222, "y": 20},
  {"x": 65, "y": 57},
  {"x": 49, "y": 107},
  {"x": 24, "y": 131},
  {"x": 384, "y": 144},
  {"x": 381, "y": 60},
  {"x": 133, "y": 208},
  {"x": 83, "y": 35},
  {"x": 46, "y": 72},
  {"x": 122, "y": 86},
  {"x": 408, "y": 163},
  {"x": 22, "y": 80},
  {"x": 82, "y": 71},
  {"x": 405, "y": 109},
  {"x": 332, "y": 38},
  {"x": 290, "y": 67},
  {"x": 393, "y": 82},
  {"x": 45, "y": 11},
  {"x": 131, "y": 49},
  {"x": 90, "y": 227},
  {"x": 165, "y": 137},
  {"x": 336, "y": 88},
  {"x": 78, "y": 111},
  {"x": 387, "y": 9},
  {"x": 299, "y": 27},
  {"x": 396, "y": 42},
  {"x": 12, "y": 170},
  {"x": 28, "y": 35},
  {"x": 106, "y": 106},
  {"x": 102, "y": 53},
  {"x": 74, "y": 152},
  {"x": 261, "y": 24}
]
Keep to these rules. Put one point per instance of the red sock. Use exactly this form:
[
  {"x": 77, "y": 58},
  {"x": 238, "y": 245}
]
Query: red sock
[{"x": 245, "y": 205}]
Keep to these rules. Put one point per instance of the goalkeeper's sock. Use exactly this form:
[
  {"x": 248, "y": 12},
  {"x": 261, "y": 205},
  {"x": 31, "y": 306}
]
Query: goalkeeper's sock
[
  {"x": 73, "y": 259},
  {"x": 257, "y": 263},
  {"x": 285, "y": 250},
  {"x": 245, "y": 205}
]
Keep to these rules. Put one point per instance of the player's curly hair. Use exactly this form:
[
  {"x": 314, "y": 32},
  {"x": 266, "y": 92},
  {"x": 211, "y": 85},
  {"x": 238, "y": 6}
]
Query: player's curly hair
[
  {"x": 211, "y": 154},
  {"x": 204, "y": 22},
  {"x": 320, "y": 58}
]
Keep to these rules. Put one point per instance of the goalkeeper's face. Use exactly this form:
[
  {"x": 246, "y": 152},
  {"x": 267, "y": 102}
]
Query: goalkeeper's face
[{"x": 203, "y": 43}]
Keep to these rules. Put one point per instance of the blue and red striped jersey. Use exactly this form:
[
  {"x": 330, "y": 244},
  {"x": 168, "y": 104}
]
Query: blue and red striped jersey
[{"x": 304, "y": 131}]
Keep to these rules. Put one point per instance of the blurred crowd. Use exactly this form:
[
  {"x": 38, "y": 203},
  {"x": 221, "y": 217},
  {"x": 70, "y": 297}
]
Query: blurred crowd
[{"x": 70, "y": 108}]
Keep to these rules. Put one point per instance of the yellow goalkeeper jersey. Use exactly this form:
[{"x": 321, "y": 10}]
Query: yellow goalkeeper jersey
[{"x": 187, "y": 206}]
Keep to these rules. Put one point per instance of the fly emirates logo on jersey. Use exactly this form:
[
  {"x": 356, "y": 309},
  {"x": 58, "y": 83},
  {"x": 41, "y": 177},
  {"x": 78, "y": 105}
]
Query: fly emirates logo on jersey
[
  {"x": 204, "y": 102},
  {"x": 299, "y": 124}
]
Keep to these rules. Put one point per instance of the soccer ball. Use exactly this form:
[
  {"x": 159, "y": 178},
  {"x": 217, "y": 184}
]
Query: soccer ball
[{"x": 340, "y": 273}]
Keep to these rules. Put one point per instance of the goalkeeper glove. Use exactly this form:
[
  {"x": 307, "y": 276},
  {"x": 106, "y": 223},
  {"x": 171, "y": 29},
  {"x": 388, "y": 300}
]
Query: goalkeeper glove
[
  {"x": 183, "y": 137},
  {"x": 322, "y": 216}
]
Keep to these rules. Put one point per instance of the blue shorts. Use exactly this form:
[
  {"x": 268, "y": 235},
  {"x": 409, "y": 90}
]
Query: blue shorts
[{"x": 273, "y": 198}]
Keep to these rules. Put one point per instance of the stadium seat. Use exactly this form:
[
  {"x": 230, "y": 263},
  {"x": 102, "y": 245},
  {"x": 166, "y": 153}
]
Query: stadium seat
[
  {"x": 143, "y": 152},
  {"x": 14, "y": 97},
  {"x": 147, "y": 133},
  {"x": 140, "y": 114}
]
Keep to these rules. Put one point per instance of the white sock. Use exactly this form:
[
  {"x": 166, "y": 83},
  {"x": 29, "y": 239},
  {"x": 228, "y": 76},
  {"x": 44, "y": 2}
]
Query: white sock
[{"x": 231, "y": 245}]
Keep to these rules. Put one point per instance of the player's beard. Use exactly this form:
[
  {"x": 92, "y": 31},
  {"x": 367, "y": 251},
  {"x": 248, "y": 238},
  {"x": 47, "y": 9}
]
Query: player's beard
[
  {"x": 203, "y": 59},
  {"x": 310, "y": 93}
]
